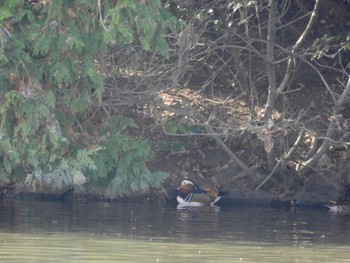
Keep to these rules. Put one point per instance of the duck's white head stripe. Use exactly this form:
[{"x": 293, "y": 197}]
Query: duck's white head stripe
[{"x": 187, "y": 181}]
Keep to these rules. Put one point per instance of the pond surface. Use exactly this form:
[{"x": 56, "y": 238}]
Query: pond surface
[{"x": 113, "y": 232}]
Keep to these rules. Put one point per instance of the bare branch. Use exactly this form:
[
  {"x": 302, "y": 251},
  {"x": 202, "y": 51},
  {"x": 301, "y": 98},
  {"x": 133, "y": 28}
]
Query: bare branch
[
  {"x": 284, "y": 158},
  {"x": 291, "y": 63},
  {"x": 214, "y": 135}
]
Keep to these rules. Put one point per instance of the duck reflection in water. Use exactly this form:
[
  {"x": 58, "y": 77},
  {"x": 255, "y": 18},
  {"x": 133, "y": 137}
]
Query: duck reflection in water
[
  {"x": 197, "y": 221},
  {"x": 189, "y": 194}
]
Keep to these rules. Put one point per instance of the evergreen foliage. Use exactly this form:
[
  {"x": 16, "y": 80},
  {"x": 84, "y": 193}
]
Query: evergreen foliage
[
  {"x": 51, "y": 59},
  {"x": 122, "y": 160}
]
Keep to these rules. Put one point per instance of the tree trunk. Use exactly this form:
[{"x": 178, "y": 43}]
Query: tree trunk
[
  {"x": 271, "y": 71},
  {"x": 340, "y": 104}
]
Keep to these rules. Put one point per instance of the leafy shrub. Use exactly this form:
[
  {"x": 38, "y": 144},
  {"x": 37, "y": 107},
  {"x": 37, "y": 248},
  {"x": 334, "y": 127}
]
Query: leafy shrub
[
  {"x": 52, "y": 56},
  {"x": 121, "y": 162}
]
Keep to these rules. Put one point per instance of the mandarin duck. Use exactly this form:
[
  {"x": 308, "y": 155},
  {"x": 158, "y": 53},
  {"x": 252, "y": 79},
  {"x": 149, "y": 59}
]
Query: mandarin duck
[
  {"x": 342, "y": 205},
  {"x": 341, "y": 208},
  {"x": 338, "y": 208},
  {"x": 189, "y": 194}
]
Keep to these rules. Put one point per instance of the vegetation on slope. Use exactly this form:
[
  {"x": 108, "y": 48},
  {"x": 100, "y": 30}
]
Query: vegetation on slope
[{"x": 93, "y": 90}]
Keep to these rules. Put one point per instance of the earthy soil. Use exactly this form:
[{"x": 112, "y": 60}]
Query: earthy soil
[{"x": 203, "y": 161}]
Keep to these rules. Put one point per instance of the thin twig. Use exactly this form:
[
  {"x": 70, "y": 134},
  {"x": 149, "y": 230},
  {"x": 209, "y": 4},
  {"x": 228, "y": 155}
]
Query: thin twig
[{"x": 291, "y": 63}]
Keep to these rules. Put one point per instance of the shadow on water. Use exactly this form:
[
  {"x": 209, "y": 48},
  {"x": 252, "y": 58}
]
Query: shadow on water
[{"x": 226, "y": 231}]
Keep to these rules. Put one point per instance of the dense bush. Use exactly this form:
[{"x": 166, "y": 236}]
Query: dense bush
[{"x": 52, "y": 56}]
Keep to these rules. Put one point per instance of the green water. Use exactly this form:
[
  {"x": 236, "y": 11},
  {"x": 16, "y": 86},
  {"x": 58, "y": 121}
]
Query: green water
[{"x": 98, "y": 232}]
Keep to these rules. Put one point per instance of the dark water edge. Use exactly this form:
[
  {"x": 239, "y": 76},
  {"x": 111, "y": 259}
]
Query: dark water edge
[
  {"x": 316, "y": 196},
  {"x": 153, "y": 199}
]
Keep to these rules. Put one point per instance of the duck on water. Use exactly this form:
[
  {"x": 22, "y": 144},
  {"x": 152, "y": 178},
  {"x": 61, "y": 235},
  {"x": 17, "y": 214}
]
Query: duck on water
[{"x": 190, "y": 194}]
